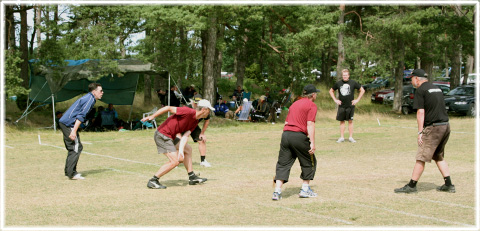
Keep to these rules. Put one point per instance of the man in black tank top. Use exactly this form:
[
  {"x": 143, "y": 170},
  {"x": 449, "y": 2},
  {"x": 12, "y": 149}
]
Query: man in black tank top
[{"x": 433, "y": 132}]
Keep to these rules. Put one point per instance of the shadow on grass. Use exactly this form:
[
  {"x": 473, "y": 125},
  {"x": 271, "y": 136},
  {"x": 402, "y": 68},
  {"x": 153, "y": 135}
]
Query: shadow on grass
[
  {"x": 423, "y": 186},
  {"x": 288, "y": 192},
  {"x": 94, "y": 171}
]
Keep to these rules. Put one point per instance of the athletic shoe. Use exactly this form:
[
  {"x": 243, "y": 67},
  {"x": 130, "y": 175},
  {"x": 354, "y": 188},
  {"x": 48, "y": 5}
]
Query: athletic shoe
[
  {"x": 340, "y": 140},
  {"x": 193, "y": 180},
  {"x": 445, "y": 188},
  {"x": 153, "y": 183},
  {"x": 276, "y": 196},
  {"x": 352, "y": 140},
  {"x": 307, "y": 194},
  {"x": 205, "y": 164},
  {"x": 78, "y": 176},
  {"x": 406, "y": 189}
]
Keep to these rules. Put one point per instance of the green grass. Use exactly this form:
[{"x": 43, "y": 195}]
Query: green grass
[{"x": 354, "y": 182}]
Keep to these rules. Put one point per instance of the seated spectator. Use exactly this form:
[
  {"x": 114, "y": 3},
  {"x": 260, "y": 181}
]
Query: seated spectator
[
  {"x": 108, "y": 118},
  {"x": 262, "y": 109},
  {"x": 238, "y": 94},
  {"x": 221, "y": 109},
  {"x": 97, "y": 120}
]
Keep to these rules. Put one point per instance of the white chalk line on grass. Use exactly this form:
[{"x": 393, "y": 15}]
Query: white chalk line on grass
[
  {"x": 8, "y": 146},
  {"x": 391, "y": 126},
  {"x": 111, "y": 157}
]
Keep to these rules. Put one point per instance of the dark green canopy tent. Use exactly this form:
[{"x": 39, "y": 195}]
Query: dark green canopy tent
[{"x": 51, "y": 85}]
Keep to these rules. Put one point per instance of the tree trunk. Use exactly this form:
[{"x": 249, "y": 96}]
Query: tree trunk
[
  {"x": 10, "y": 27},
  {"x": 341, "y": 49},
  {"x": 219, "y": 55},
  {"x": 38, "y": 22},
  {"x": 241, "y": 61},
  {"x": 183, "y": 51},
  {"x": 147, "y": 97},
  {"x": 209, "y": 60},
  {"x": 456, "y": 56},
  {"x": 24, "y": 47},
  {"x": 468, "y": 68},
  {"x": 398, "y": 95}
]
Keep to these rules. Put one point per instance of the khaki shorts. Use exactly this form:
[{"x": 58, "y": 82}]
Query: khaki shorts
[
  {"x": 164, "y": 143},
  {"x": 434, "y": 140}
]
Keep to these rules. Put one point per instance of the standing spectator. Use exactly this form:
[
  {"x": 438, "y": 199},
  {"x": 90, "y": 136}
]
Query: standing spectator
[
  {"x": 189, "y": 92},
  {"x": 346, "y": 103},
  {"x": 298, "y": 140},
  {"x": 70, "y": 122},
  {"x": 184, "y": 120},
  {"x": 433, "y": 132},
  {"x": 174, "y": 100},
  {"x": 162, "y": 95}
]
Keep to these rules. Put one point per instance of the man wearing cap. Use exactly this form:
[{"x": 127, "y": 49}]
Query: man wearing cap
[
  {"x": 298, "y": 140},
  {"x": 346, "y": 103},
  {"x": 433, "y": 132},
  {"x": 184, "y": 120}
]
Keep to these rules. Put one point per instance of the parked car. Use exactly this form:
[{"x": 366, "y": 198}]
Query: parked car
[
  {"x": 461, "y": 100},
  {"x": 376, "y": 84},
  {"x": 377, "y": 97}
]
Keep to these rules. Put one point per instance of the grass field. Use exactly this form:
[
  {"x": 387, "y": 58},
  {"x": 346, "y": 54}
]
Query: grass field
[{"x": 354, "y": 182}]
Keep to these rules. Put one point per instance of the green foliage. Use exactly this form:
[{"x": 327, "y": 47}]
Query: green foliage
[{"x": 13, "y": 81}]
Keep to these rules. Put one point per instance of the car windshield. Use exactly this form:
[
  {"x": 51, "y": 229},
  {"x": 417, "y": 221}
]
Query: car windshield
[{"x": 466, "y": 91}]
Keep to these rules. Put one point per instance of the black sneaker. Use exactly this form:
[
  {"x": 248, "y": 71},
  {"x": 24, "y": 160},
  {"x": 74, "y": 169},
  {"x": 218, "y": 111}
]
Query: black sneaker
[
  {"x": 195, "y": 179},
  {"x": 406, "y": 189},
  {"x": 445, "y": 188},
  {"x": 155, "y": 184}
]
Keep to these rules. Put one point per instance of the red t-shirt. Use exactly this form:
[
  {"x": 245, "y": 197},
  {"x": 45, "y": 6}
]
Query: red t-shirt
[
  {"x": 299, "y": 113},
  {"x": 180, "y": 122}
]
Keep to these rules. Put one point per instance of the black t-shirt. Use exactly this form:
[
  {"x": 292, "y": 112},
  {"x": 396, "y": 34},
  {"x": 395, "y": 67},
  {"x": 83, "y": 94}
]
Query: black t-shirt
[
  {"x": 346, "y": 90},
  {"x": 430, "y": 98}
]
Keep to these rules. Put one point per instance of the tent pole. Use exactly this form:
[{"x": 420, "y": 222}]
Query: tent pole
[
  {"x": 28, "y": 99},
  {"x": 53, "y": 111},
  {"x": 169, "y": 91}
]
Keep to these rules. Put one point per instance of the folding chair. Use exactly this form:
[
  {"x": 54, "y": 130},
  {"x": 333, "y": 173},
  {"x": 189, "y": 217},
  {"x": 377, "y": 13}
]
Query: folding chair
[
  {"x": 245, "y": 112},
  {"x": 146, "y": 124}
]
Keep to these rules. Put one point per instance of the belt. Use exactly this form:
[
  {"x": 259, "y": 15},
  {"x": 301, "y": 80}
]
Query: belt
[{"x": 438, "y": 124}]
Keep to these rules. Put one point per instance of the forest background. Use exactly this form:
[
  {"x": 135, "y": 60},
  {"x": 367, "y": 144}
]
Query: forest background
[{"x": 275, "y": 46}]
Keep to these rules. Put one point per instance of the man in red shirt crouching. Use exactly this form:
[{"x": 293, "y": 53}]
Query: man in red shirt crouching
[{"x": 184, "y": 120}]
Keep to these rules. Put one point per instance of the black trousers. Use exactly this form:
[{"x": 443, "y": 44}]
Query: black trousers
[
  {"x": 295, "y": 145},
  {"x": 74, "y": 148}
]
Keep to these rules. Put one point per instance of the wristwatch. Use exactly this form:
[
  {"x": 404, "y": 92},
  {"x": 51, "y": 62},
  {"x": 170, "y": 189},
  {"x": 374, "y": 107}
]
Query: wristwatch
[{"x": 420, "y": 132}]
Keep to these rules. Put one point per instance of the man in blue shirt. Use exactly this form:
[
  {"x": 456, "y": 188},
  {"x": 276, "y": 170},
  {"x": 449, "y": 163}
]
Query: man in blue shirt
[{"x": 70, "y": 122}]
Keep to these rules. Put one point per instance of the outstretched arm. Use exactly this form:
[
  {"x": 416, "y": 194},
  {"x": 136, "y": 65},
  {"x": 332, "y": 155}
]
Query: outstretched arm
[{"x": 161, "y": 111}]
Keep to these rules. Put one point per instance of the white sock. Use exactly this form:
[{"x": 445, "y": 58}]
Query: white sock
[
  {"x": 278, "y": 190},
  {"x": 305, "y": 187}
]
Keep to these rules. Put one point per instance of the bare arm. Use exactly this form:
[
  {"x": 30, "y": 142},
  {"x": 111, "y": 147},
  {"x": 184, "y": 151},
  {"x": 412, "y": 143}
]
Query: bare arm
[
  {"x": 183, "y": 142},
  {"x": 420, "y": 122},
  {"x": 204, "y": 129},
  {"x": 332, "y": 94},
  {"x": 362, "y": 91},
  {"x": 311, "y": 135},
  {"x": 161, "y": 111}
]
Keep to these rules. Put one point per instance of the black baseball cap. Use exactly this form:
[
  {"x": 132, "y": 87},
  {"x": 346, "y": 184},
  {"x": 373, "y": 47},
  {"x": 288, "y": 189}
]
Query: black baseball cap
[
  {"x": 310, "y": 88},
  {"x": 419, "y": 73}
]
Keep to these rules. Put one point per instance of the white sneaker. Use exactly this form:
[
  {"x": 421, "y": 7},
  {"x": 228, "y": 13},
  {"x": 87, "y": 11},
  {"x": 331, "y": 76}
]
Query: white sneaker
[
  {"x": 352, "y": 140},
  {"x": 340, "y": 140},
  {"x": 205, "y": 164},
  {"x": 78, "y": 177}
]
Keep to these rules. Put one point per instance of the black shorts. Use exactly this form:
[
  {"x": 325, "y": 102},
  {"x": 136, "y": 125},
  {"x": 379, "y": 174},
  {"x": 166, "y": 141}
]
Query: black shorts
[
  {"x": 196, "y": 134},
  {"x": 345, "y": 113}
]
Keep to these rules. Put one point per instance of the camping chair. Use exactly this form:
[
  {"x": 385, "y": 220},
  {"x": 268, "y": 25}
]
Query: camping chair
[
  {"x": 246, "y": 95},
  {"x": 245, "y": 112},
  {"x": 146, "y": 124}
]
